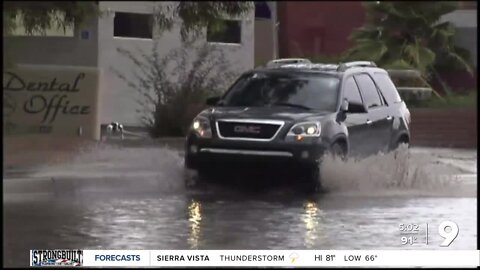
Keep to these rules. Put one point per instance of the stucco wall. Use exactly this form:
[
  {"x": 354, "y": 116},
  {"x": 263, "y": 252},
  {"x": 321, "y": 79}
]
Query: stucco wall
[
  {"x": 119, "y": 100},
  {"x": 266, "y": 36},
  {"x": 71, "y": 51},
  {"x": 264, "y": 46}
]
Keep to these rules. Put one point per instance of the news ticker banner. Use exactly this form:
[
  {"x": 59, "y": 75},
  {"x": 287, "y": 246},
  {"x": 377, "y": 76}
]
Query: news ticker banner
[{"x": 259, "y": 258}]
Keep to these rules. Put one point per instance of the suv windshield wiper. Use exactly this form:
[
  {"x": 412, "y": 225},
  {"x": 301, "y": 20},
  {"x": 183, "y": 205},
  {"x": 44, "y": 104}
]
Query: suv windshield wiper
[{"x": 291, "y": 105}]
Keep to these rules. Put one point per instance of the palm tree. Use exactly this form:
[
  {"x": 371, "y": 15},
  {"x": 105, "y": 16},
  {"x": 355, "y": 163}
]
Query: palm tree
[{"x": 409, "y": 35}]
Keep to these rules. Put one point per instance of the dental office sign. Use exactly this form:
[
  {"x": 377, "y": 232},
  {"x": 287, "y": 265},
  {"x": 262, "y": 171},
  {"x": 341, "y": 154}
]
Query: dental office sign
[{"x": 51, "y": 99}]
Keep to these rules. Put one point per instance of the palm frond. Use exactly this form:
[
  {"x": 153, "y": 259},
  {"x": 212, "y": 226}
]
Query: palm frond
[
  {"x": 459, "y": 62},
  {"x": 371, "y": 50}
]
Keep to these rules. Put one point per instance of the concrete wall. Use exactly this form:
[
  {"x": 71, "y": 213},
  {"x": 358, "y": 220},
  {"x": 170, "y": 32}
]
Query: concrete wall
[
  {"x": 53, "y": 100},
  {"x": 444, "y": 128},
  {"x": 72, "y": 51},
  {"x": 119, "y": 100}
]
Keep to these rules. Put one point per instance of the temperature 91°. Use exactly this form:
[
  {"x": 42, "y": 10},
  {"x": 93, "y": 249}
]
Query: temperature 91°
[{"x": 412, "y": 233}]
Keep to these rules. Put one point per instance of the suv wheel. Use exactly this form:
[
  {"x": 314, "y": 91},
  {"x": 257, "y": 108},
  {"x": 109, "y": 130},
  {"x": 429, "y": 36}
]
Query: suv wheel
[
  {"x": 337, "y": 150},
  {"x": 401, "y": 141}
]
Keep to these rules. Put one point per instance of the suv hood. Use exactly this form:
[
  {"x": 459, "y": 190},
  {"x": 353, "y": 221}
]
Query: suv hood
[{"x": 274, "y": 113}]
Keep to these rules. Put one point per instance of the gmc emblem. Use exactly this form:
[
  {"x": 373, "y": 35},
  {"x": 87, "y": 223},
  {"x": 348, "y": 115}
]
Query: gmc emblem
[{"x": 246, "y": 129}]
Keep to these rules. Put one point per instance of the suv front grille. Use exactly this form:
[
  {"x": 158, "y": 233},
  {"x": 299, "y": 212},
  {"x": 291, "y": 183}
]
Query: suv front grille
[{"x": 259, "y": 130}]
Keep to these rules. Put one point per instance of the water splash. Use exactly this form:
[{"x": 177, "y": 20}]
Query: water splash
[
  {"x": 402, "y": 172},
  {"x": 158, "y": 169},
  {"x": 112, "y": 168}
]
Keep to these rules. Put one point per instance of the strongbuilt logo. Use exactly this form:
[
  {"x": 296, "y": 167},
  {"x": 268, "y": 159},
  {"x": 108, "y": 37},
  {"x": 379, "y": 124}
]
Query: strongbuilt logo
[{"x": 57, "y": 257}]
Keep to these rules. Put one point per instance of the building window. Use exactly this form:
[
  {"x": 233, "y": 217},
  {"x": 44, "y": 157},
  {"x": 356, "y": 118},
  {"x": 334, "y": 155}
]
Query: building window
[
  {"x": 133, "y": 25},
  {"x": 262, "y": 11},
  {"x": 229, "y": 31}
]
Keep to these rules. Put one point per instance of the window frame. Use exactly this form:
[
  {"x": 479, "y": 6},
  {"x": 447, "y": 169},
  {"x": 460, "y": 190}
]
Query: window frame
[
  {"x": 240, "y": 24},
  {"x": 379, "y": 89},
  {"x": 134, "y": 37},
  {"x": 358, "y": 88},
  {"x": 380, "y": 95}
]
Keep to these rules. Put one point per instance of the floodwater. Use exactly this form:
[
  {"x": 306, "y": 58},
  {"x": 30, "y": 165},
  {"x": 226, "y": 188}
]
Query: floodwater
[{"x": 114, "y": 197}]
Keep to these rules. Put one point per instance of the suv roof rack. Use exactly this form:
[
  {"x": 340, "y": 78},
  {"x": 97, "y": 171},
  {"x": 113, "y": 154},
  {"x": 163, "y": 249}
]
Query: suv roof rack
[
  {"x": 287, "y": 61},
  {"x": 322, "y": 66},
  {"x": 345, "y": 66},
  {"x": 305, "y": 63}
]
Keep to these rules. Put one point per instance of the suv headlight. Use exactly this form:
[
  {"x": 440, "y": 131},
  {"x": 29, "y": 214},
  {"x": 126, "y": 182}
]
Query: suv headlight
[
  {"x": 306, "y": 129},
  {"x": 201, "y": 126}
]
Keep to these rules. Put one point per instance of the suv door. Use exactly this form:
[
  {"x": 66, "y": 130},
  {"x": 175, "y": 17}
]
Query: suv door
[
  {"x": 378, "y": 120},
  {"x": 356, "y": 122},
  {"x": 394, "y": 102}
]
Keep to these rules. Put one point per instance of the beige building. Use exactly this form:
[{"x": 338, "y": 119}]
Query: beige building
[{"x": 125, "y": 25}]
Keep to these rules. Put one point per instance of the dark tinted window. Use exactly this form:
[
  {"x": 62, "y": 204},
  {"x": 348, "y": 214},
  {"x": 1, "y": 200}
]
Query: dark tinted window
[
  {"x": 387, "y": 87},
  {"x": 262, "y": 10},
  {"x": 228, "y": 32},
  {"x": 369, "y": 91},
  {"x": 351, "y": 92},
  {"x": 132, "y": 25},
  {"x": 295, "y": 90}
]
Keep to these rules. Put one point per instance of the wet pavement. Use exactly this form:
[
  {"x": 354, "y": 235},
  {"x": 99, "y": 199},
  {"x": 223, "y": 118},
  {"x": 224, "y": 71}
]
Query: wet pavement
[{"x": 117, "y": 197}]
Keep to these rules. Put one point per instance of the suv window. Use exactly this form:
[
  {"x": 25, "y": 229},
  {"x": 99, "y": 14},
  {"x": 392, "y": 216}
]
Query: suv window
[
  {"x": 369, "y": 90},
  {"x": 351, "y": 91},
  {"x": 296, "y": 90},
  {"x": 387, "y": 87}
]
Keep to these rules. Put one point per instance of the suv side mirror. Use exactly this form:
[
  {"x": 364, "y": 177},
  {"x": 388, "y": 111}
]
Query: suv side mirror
[{"x": 212, "y": 101}]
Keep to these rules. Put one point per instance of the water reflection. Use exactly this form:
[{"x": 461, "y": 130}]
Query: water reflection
[
  {"x": 195, "y": 223},
  {"x": 310, "y": 219}
]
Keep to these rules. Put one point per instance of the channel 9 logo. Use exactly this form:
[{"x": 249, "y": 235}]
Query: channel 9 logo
[{"x": 58, "y": 257}]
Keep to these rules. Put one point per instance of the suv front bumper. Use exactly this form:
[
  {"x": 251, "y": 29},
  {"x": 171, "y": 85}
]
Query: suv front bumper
[{"x": 215, "y": 152}]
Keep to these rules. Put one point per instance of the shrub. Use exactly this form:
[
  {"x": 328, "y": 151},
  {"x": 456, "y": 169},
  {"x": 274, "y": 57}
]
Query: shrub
[{"x": 173, "y": 88}]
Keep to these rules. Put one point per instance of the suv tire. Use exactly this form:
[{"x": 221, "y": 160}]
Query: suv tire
[
  {"x": 337, "y": 150},
  {"x": 400, "y": 142}
]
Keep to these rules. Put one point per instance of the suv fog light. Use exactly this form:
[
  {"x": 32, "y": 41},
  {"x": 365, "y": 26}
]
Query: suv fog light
[
  {"x": 193, "y": 149},
  {"x": 304, "y": 154}
]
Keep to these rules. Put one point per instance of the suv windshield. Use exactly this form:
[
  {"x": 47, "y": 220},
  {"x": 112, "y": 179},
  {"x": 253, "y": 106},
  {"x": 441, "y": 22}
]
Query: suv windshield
[{"x": 305, "y": 91}]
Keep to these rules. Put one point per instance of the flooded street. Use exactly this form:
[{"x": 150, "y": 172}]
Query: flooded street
[{"x": 115, "y": 197}]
